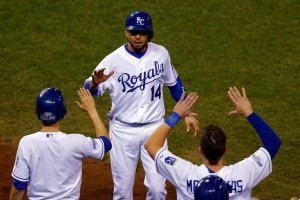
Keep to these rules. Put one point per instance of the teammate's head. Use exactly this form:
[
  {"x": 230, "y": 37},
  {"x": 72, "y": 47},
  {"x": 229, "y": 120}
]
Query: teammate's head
[
  {"x": 139, "y": 22},
  {"x": 213, "y": 143},
  {"x": 212, "y": 187},
  {"x": 50, "y": 106}
]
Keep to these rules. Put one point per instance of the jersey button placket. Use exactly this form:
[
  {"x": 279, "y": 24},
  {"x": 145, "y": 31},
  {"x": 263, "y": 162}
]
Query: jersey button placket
[{"x": 141, "y": 107}]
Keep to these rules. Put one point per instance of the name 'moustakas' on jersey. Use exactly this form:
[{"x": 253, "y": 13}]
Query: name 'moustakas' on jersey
[{"x": 186, "y": 175}]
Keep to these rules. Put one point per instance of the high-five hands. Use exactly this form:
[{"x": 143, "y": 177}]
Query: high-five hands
[
  {"x": 241, "y": 102},
  {"x": 183, "y": 108},
  {"x": 87, "y": 102},
  {"x": 99, "y": 76}
]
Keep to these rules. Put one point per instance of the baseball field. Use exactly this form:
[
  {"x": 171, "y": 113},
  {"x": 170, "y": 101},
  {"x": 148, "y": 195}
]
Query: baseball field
[{"x": 213, "y": 45}]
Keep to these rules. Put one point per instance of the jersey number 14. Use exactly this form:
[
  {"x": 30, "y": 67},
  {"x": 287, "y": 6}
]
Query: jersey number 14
[{"x": 155, "y": 93}]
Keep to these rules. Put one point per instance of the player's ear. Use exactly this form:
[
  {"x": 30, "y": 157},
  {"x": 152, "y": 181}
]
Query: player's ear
[
  {"x": 126, "y": 33},
  {"x": 226, "y": 149}
]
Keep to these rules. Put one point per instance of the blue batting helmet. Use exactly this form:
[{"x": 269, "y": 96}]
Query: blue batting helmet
[
  {"x": 140, "y": 20},
  {"x": 50, "y": 105},
  {"x": 212, "y": 187}
]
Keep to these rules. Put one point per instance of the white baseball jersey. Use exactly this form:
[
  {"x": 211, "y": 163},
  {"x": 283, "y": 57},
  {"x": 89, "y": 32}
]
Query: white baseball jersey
[
  {"x": 52, "y": 163},
  {"x": 136, "y": 90},
  {"x": 242, "y": 176},
  {"x": 136, "y": 87}
]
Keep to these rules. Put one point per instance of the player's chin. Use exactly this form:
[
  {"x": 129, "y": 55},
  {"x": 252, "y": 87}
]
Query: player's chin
[{"x": 138, "y": 45}]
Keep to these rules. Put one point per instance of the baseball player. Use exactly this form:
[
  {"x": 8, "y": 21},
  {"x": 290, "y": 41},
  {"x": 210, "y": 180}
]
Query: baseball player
[
  {"x": 242, "y": 176},
  {"x": 49, "y": 162},
  {"x": 135, "y": 74},
  {"x": 212, "y": 187}
]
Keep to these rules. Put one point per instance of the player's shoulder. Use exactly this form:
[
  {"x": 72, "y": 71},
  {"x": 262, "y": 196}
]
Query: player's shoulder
[
  {"x": 260, "y": 158},
  {"x": 156, "y": 47},
  {"x": 29, "y": 137},
  {"x": 116, "y": 53},
  {"x": 75, "y": 136}
]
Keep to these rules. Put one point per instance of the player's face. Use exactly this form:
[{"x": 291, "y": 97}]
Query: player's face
[{"x": 137, "y": 40}]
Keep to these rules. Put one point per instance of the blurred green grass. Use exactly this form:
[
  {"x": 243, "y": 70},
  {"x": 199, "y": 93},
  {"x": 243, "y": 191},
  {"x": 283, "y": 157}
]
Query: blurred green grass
[{"x": 213, "y": 45}]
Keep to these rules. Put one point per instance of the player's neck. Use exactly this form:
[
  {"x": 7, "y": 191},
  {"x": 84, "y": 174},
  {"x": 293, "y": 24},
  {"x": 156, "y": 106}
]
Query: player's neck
[
  {"x": 215, "y": 168},
  {"x": 51, "y": 128}
]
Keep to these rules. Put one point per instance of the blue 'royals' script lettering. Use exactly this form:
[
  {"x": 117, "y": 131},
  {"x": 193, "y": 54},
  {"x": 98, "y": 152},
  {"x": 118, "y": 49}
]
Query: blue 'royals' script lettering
[{"x": 132, "y": 82}]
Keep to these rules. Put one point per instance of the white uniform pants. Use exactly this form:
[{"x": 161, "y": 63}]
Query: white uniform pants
[{"x": 127, "y": 147}]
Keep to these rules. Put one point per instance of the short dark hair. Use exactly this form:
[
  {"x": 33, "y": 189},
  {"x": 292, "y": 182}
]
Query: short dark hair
[
  {"x": 48, "y": 123},
  {"x": 213, "y": 143}
]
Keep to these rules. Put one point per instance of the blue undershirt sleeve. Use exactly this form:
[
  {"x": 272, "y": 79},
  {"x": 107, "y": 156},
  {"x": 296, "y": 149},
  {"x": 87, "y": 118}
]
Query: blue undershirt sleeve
[
  {"x": 87, "y": 86},
  {"x": 177, "y": 89},
  {"x": 20, "y": 185},
  {"x": 271, "y": 141},
  {"x": 107, "y": 143}
]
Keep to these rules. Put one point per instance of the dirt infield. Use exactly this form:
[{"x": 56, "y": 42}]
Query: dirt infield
[{"x": 96, "y": 178}]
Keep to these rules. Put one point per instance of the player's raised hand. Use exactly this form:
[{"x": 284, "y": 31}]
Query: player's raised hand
[
  {"x": 99, "y": 76},
  {"x": 184, "y": 106},
  {"x": 87, "y": 102},
  {"x": 241, "y": 102}
]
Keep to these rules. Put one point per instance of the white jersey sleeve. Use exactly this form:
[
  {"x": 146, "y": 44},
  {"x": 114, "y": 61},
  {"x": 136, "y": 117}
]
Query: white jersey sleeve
[
  {"x": 92, "y": 147},
  {"x": 254, "y": 168},
  {"x": 21, "y": 169},
  {"x": 177, "y": 171}
]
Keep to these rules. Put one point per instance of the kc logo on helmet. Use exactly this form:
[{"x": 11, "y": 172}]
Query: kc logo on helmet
[{"x": 140, "y": 21}]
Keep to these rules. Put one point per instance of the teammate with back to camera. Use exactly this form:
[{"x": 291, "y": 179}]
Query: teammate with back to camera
[
  {"x": 242, "y": 176},
  {"x": 49, "y": 162},
  {"x": 135, "y": 74}
]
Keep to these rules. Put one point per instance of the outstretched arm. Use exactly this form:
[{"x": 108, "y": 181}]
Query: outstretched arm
[
  {"x": 181, "y": 109},
  {"x": 271, "y": 141},
  {"x": 87, "y": 103}
]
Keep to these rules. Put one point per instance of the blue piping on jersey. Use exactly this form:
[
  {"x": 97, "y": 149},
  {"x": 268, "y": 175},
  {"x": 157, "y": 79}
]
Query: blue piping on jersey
[
  {"x": 137, "y": 55},
  {"x": 20, "y": 185},
  {"x": 269, "y": 138},
  {"x": 177, "y": 89},
  {"x": 107, "y": 143}
]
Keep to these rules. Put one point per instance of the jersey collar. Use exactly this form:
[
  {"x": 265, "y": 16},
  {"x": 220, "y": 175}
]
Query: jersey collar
[{"x": 137, "y": 55}]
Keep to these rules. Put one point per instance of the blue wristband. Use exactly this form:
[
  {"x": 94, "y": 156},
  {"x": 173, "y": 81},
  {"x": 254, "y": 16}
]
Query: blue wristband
[{"x": 173, "y": 119}]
